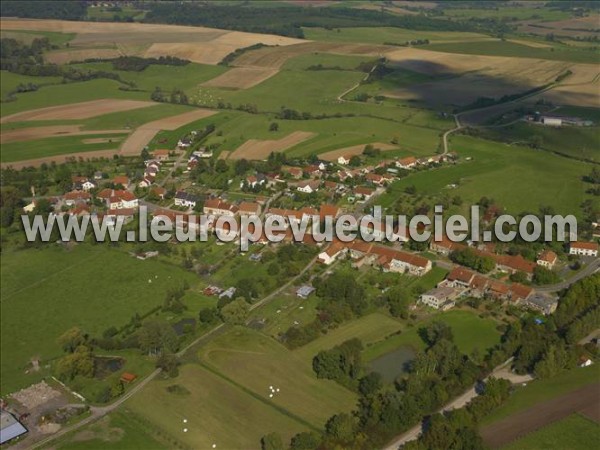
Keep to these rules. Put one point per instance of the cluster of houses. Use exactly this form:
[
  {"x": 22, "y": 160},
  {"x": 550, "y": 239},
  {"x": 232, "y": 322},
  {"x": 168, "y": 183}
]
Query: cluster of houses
[
  {"x": 369, "y": 254},
  {"x": 461, "y": 282}
]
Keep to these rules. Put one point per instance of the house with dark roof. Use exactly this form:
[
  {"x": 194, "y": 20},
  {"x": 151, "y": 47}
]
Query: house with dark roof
[{"x": 186, "y": 199}]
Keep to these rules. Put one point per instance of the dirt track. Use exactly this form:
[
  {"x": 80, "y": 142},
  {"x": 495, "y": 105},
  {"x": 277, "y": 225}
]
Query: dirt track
[
  {"x": 585, "y": 400},
  {"x": 77, "y": 111},
  {"x": 241, "y": 77}
]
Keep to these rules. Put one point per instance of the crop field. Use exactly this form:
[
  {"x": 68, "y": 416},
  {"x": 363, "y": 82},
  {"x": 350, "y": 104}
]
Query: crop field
[
  {"x": 75, "y": 111},
  {"x": 28, "y": 134},
  {"x": 548, "y": 179},
  {"x": 59, "y": 145},
  {"x": 539, "y": 391},
  {"x": 45, "y": 292},
  {"x": 355, "y": 150},
  {"x": 145, "y": 133},
  {"x": 576, "y": 432},
  {"x": 241, "y": 77},
  {"x": 69, "y": 93},
  {"x": 470, "y": 332},
  {"x": 256, "y": 149}
]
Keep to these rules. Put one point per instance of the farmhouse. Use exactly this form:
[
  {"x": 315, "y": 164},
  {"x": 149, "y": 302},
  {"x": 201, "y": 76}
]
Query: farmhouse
[
  {"x": 547, "y": 259},
  {"x": 498, "y": 290},
  {"x": 118, "y": 198},
  {"x": 440, "y": 297},
  {"x": 160, "y": 155},
  {"x": 219, "y": 207},
  {"x": 513, "y": 264},
  {"x": 308, "y": 187},
  {"x": 363, "y": 193},
  {"x": 253, "y": 181},
  {"x": 295, "y": 172},
  {"x": 583, "y": 248},
  {"x": 478, "y": 286},
  {"x": 344, "y": 160},
  {"x": 186, "y": 199},
  {"x": 331, "y": 253},
  {"x": 249, "y": 209},
  {"x": 76, "y": 196},
  {"x": 406, "y": 163},
  {"x": 460, "y": 277},
  {"x": 445, "y": 246},
  {"x": 113, "y": 215},
  {"x": 520, "y": 292},
  {"x": 121, "y": 180},
  {"x": 401, "y": 262}
]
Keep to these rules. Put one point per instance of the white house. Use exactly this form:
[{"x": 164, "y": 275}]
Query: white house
[
  {"x": 308, "y": 187},
  {"x": 583, "y": 248},
  {"x": 331, "y": 253},
  {"x": 344, "y": 160},
  {"x": 185, "y": 199},
  {"x": 440, "y": 297},
  {"x": 88, "y": 185},
  {"x": 547, "y": 259}
]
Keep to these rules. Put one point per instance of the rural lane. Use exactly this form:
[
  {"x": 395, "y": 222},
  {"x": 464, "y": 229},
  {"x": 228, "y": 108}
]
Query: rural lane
[
  {"x": 499, "y": 372},
  {"x": 588, "y": 270},
  {"x": 97, "y": 412}
]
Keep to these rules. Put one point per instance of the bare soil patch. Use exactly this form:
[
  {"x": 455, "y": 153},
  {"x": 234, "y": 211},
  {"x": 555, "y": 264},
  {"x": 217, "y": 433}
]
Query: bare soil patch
[
  {"x": 241, "y": 77},
  {"x": 518, "y": 425},
  {"x": 134, "y": 144},
  {"x": 35, "y": 395},
  {"x": 75, "y": 111},
  {"x": 354, "y": 150},
  {"x": 257, "y": 149},
  {"x": 29, "y": 134}
]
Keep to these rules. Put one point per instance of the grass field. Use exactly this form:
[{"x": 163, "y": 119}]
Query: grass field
[
  {"x": 369, "y": 329},
  {"x": 256, "y": 362},
  {"x": 516, "y": 50},
  {"x": 382, "y": 35},
  {"x": 62, "y": 94},
  {"x": 118, "y": 430},
  {"x": 575, "y": 432},
  {"x": 45, "y": 292},
  {"x": 540, "y": 390},
  {"x": 39, "y": 148},
  {"x": 577, "y": 142},
  {"x": 470, "y": 332},
  {"x": 167, "y": 77},
  {"x": 9, "y": 81},
  {"x": 547, "y": 179},
  {"x": 217, "y": 411}
]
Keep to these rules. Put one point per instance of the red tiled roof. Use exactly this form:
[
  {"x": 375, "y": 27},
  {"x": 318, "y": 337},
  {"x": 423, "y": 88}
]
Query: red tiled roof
[
  {"x": 249, "y": 207},
  {"x": 548, "y": 256},
  {"x": 461, "y": 274},
  {"x": 584, "y": 245},
  {"x": 520, "y": 290}
]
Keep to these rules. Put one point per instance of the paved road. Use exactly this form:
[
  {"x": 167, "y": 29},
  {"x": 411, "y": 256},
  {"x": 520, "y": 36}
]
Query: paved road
[
  {"x": 588, "y": 270},
  {"x": 499, "y": 372}
]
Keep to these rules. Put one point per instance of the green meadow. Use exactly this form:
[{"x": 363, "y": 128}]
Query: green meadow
[
  {"x": 470, "y": 332},
  {"x": 369, "y": 35},
  {"x": 45, "y": 292},
  {"x": 504, "y": 173},
  {"x": 59, "y": 145}
]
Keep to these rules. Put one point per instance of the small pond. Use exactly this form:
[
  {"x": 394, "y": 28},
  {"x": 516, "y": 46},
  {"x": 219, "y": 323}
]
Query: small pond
[
  {"x": 106, "y": 365},
  {"x": 393, "y": 363}
]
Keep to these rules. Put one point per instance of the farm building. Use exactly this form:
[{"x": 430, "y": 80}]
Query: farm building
[
  {"x": 583, "y": 248},
  {"x": 304, "y": 291},
  {"x": 547, "y": 259},
  {"x": 440, "y": 297},
  {"x": 10, "y": 427}
]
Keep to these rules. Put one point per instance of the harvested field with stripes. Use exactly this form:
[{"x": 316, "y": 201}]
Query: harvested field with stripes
[{"x": 258, "y": 149}]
